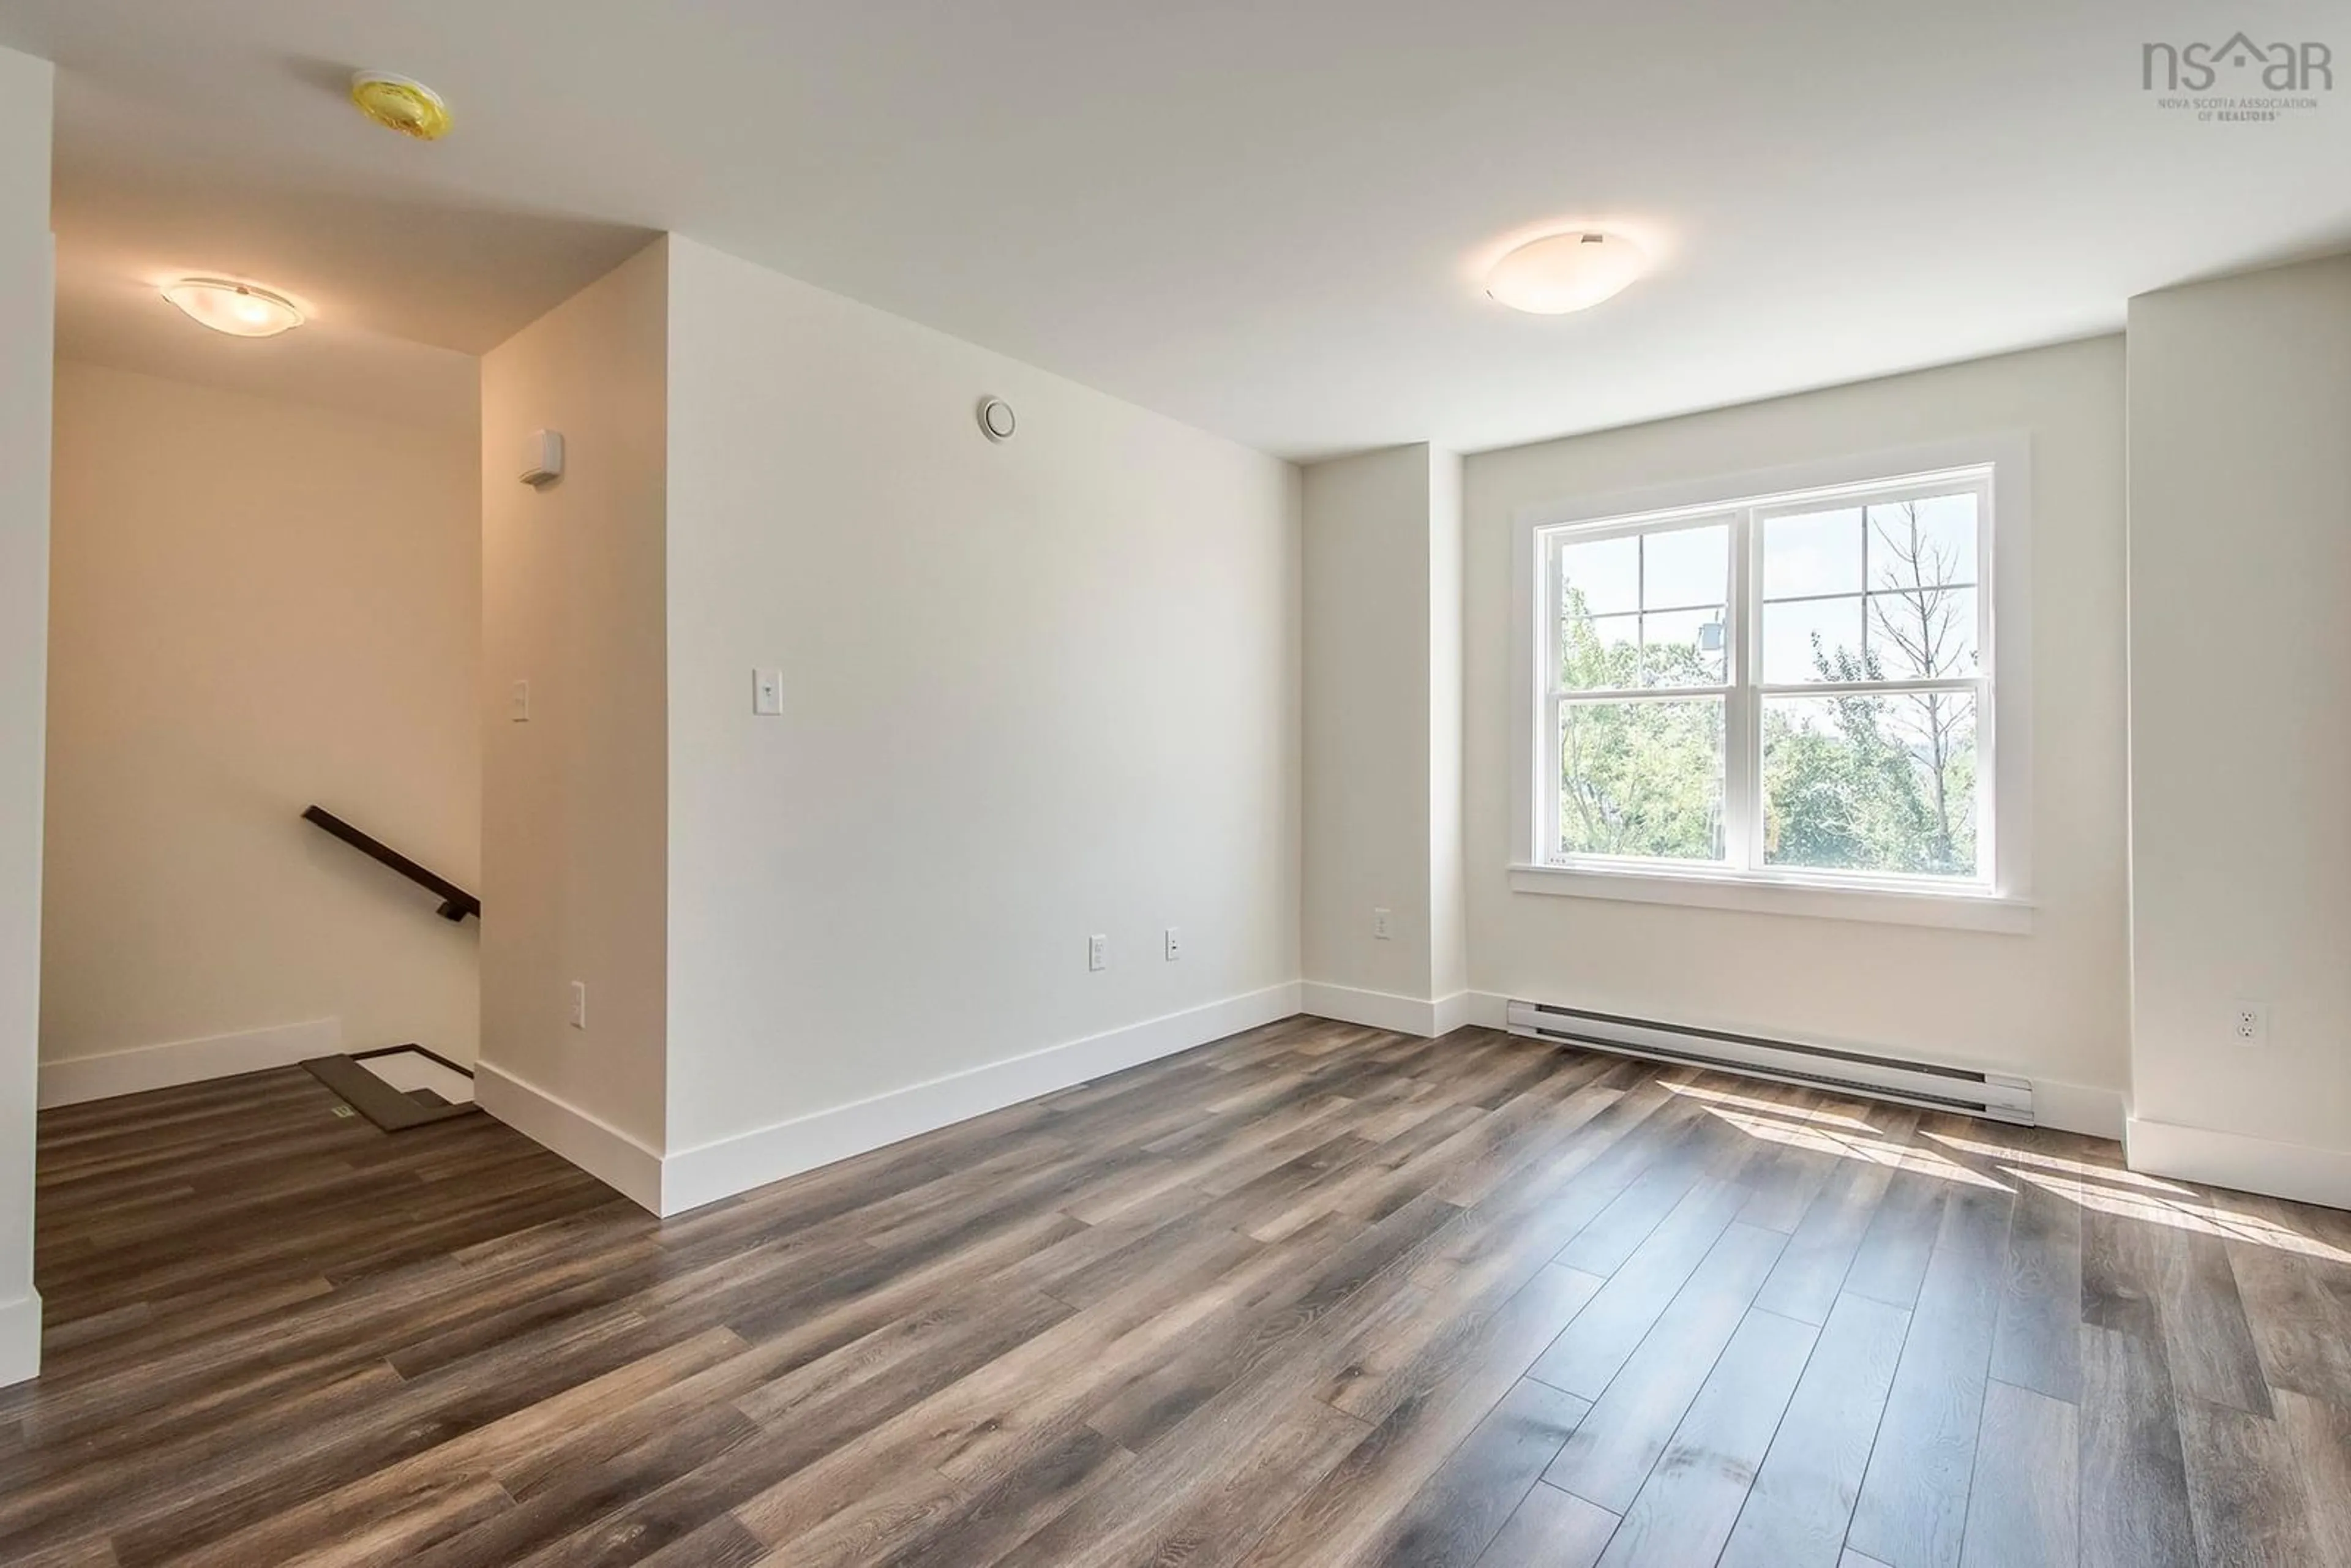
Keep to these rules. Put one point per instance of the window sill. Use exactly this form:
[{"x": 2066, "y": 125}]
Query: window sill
[{"x": 1964, "y": 910}]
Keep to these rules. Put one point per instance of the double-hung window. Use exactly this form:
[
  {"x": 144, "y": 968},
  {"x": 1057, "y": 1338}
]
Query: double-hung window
[{"x": 1794, "y": 688}]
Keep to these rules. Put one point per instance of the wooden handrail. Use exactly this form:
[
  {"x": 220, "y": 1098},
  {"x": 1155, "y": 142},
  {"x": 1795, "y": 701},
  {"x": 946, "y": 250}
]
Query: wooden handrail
[{"x": 455, "y": 902}]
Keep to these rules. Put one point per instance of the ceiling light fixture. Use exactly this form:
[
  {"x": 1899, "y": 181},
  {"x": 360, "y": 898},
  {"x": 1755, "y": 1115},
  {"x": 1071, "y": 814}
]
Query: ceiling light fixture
[
  {"x": 1565, "y": 272},
  {"x": 401, "y": 104},
  {"x": 238, "y": 309}
]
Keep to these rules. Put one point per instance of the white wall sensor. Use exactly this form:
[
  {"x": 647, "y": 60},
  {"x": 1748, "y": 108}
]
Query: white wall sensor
[
  {"x": 996, "y": 418},
  {"x": 543, "y": 456}
]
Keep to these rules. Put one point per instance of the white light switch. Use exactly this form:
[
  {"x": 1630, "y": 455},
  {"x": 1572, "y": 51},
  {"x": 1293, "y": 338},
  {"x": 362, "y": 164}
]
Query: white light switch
[
  {"x": 767, "y": 691},
  {"x": 518, "y": 703}
]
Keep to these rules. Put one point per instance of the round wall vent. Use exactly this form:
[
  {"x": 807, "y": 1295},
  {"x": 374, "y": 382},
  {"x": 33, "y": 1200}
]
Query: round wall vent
[{"x": 995, "y": 419}]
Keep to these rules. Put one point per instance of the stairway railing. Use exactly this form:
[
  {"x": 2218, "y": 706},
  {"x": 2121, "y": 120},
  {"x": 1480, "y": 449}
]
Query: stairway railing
[{"x": 455, "y": 902}]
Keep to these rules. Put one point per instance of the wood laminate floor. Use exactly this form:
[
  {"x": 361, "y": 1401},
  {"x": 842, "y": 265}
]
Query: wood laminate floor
[{"x": 1316, "y": 1295}]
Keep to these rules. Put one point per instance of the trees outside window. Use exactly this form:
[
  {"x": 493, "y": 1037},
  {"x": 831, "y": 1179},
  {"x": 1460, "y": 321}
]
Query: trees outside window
[{"x": 1792, "y": 686}]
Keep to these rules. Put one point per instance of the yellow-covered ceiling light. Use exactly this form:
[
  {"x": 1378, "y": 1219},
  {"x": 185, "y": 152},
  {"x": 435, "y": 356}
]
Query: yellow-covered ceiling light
[{"x": 401, "y": 104}]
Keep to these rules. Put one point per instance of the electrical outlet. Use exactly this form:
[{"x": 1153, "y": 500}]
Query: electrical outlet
[
  {"x": 2248, "y": 1023},
  {"x": 518, "y": 703},
  {"x": 1097, "y": 953},
  {"x": 1175, "y": 947},
  {"x": 1380, "y": 932},
  {"x": 578, "y": 1010}
]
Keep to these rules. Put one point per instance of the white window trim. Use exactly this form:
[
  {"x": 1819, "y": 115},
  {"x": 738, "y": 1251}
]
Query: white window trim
[{"x": 2003, "y": 902}]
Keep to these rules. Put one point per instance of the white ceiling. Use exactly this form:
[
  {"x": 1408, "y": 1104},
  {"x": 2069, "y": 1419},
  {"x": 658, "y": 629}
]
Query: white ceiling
[{"x": 1267, "y": 218}]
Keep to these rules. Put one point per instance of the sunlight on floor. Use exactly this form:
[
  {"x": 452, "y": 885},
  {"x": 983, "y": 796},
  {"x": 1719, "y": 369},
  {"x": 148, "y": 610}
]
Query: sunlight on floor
[
  {"x": 2189, "y": 1214},
  {"x": 2105, "y": 1190},
  {"x": 1823, "y": 1116},
  {"x": 1847, "y": 1146},
  {"x": 2057, "y": 1163}
]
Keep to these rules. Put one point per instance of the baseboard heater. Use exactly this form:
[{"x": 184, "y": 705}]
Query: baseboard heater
[{"x": 1997, "y": 1095}]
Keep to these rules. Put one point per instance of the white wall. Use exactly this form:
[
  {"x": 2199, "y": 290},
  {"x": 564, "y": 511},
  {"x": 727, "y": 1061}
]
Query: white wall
[
  {"x": 255, "y": 605},
  {"x": 24, "y": 305},
  {"x": 574, "y": 868},
  {"x": 2050, "y": 1005},
  {"x": 2240, "y": 725},
  {"x": 1449, "y": 881},
  {"x": 1383, "y": 681},
  {"x": 1031, "y": 692},
  {"x": 1367, "y": 721}
]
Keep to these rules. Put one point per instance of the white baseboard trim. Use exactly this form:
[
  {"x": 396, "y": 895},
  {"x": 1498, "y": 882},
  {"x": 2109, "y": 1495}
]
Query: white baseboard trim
[
  {"x": 20, "y": 1339},
  {"x": 2081, "y": 1108},
  {"x": 2201, "y": 1155},
  {"x": 1453, "y": 1012},
  {"x": 596, "y": 1147},
  {"x": 74, "y": 1079},
  {"x": 691, "y": 1177},
  {"x": 1385, "y": 1009},
  {"x": 1486, "y": 1010}
]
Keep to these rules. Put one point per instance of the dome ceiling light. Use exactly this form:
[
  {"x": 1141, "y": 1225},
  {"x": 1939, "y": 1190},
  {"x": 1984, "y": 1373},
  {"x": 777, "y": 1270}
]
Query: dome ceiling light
[
  {"x": 401, "y": 103},
  {"x": 238, "y": 309},
  {"x": 1565, "y": 272}
]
